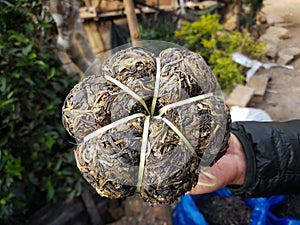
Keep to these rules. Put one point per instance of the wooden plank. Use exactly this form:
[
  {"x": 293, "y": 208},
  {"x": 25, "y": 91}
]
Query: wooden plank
[
  {"x": 93, "y": 36},
  {"x": 240, "y": 96},
  {"x": 259, "y": 83},
  {"x": 109, "y": 6},
  {"x": 159, "y": 2},
  {"x": 88, "y": 13},
  {"x": 88, "y": 2},
  {"x": 91, "y": 208}
]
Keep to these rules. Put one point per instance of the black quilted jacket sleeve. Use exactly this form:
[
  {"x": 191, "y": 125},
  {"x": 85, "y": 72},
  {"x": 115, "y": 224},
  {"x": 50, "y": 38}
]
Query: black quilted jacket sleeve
[{"x": 272, "y": 152}]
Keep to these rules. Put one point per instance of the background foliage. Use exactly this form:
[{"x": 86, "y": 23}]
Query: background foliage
[
  {"x": 208, "y": 37},
  {"x": 36, "y": 159}
]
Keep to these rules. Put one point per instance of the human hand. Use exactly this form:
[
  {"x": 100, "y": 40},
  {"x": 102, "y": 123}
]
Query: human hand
[{"x": 229, "y": 169}]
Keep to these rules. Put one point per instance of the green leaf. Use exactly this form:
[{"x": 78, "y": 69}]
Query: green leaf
[
  {"x": 32, "y": 56},
  {"x": 3, "y": 202},
  {"x": 20, "y": 38},
  {"x": 50, "y": 190},
  {"x": 33, "y": 179},
  {"x": 16, "y": 75},
  {"x": 10, "y": 94},
  {"x": 29, "y": 27},
  {"x": 3, "y": 84},
  {"x": 50, "y": 141},
  {"x": 7, "y": 102},
  {"x": 13, "y": 165},
  {"x": 27, "y": 49},
  {"x": 52, "y": 73}
]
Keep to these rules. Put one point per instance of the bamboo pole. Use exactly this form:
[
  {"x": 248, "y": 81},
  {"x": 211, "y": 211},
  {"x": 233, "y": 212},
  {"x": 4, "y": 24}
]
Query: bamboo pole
[{"x": 132, "y": 22}]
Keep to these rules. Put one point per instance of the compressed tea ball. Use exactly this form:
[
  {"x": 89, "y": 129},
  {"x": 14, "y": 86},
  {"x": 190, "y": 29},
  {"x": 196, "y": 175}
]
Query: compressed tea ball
[{"x": 147, "y": 123}]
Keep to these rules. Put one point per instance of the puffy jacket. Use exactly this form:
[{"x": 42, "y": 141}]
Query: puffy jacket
[{"x": 272, "y": 152}]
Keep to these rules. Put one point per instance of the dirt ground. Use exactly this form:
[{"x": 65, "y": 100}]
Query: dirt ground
[{"x": 281, "y": 101}]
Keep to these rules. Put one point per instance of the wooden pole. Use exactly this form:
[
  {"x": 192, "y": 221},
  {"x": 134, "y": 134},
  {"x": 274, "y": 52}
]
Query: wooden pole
[{"x": 132, "y": 22}]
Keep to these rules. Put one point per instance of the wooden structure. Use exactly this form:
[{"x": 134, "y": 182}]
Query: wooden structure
[
  {"x": 106, "y": 22},
  {"x": 132, "y": 21},
  {"x": 95, "y": 9},
  {"x": 97, "y": 15}
]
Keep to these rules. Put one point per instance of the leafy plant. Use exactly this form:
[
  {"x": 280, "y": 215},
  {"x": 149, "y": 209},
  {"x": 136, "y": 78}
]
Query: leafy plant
[
  {"x": 216, "y": 45},
  {"x": 163, "y": 32},
  {"x": 36, "y": 159}
]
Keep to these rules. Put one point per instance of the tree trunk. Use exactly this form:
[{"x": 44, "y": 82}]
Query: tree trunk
[{"x": 71, "y": 36}]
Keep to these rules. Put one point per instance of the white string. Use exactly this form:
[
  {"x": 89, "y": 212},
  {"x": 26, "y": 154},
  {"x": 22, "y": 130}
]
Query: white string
[
  {"x": 210, "y": 176},
  {"x": 143, "y": 153},
  {"x": 147, "y": 121},
  {"x": 127, "y": 90},
  {"x": 183, "y": 102},
  {"x": 179, "y": 133},
  {"x": 156, "y": 86},
  {"x": 112, "y": 125}
]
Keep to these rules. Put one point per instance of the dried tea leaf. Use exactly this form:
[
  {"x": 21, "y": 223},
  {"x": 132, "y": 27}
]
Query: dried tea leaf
[{"x": 147, "y": 123}]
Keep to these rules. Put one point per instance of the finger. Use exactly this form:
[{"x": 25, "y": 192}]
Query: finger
[
  {"x": 206, "y": 183},
  {"x": 222, "y": 170}
]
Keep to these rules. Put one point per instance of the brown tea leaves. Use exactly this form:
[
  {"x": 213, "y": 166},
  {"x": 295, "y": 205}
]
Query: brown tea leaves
[{"x": 147, "y": 123}]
